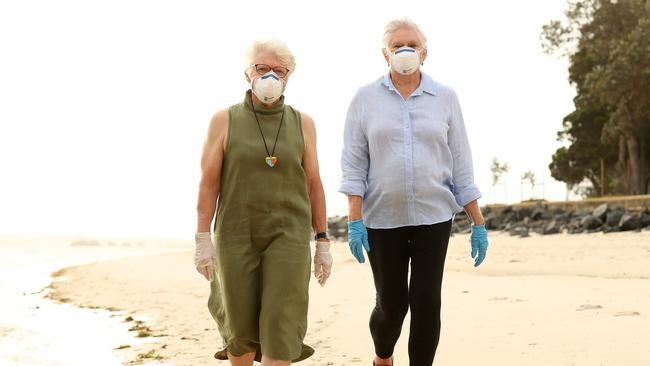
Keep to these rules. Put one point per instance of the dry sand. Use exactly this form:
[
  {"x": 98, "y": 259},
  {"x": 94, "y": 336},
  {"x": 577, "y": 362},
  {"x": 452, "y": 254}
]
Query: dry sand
[{"x": 544, "y": 300}]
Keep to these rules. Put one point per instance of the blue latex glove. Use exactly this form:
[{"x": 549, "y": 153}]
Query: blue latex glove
[
  {"x": 358, "y": 239},
  {"x": 479, "y": 244}
]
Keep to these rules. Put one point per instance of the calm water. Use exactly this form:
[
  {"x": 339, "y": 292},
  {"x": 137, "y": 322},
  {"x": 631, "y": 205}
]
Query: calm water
[{"x": 38, "y": 331}]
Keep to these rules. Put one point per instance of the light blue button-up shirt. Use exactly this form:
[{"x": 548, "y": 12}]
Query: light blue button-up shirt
[{"x": 410, "y": 159}]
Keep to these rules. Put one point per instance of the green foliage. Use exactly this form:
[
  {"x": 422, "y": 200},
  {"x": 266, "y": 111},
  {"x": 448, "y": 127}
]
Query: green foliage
[
  {"x": 530, "y": 177},
  {"x": 608, "y": 45},
  {"x": 498, "y": 169}
]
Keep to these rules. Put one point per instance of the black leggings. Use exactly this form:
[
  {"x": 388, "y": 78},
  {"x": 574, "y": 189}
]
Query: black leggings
[{"x": 391, "y": 250}]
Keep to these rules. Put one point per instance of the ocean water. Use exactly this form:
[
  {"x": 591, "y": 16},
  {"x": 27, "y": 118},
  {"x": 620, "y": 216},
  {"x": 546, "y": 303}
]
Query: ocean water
[{"x": 37, "y": 331}]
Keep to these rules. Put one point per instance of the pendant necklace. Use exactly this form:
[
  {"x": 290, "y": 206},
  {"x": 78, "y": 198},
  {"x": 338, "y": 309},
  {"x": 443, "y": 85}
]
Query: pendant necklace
[{"x": 270, "y": 159}]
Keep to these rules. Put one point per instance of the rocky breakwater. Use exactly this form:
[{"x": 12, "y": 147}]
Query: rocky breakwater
[{"x": 541, "y": 219}]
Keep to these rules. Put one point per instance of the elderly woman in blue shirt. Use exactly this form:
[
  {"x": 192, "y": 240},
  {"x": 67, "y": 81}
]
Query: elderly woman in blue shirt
[{"x": 407, "y": 170}]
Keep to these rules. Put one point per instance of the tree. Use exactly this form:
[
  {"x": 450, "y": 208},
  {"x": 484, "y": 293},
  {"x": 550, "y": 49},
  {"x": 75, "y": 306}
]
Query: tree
[
  {"x": 530, "y": 177},
  {"x": 624, "y": 83},
  {"x": 498, "y": 169},
  {"x": 607, "y": 44},
  {"x": 581, "y": 159}
]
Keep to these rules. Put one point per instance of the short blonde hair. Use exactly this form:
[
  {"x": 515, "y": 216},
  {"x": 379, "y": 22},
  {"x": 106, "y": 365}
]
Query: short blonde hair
[
  {"x": 403, "y": 23},
  {"x": 276, "y": 47}
]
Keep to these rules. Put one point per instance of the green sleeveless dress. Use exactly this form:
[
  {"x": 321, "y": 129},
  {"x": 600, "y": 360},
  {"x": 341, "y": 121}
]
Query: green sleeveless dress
[{"x": 259, "y": 297}]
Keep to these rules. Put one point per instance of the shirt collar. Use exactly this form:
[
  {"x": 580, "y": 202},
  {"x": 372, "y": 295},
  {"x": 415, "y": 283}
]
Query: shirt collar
[{"x": 427, "y": 84}]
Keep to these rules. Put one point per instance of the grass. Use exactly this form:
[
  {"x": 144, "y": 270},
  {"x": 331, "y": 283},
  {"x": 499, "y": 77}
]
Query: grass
[
  {"x": 151, "y": 355},
  {"x": 59, "y": 273},
  {"x": 144, "y": 334},
  {"x": 143, "y": 330}
]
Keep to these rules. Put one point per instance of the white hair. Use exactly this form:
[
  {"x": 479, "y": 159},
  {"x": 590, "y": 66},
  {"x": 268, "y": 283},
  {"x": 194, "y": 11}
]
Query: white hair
[
  {"x": 274, "y": 46},
  {"x": 403, "y": 23}
]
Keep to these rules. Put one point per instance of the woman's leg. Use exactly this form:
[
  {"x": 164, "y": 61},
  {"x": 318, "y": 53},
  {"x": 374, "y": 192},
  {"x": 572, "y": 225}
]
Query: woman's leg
[
  {"x": 266, "y": 361},
  {"x": 243, "y": 360},
  {"x": 428, "y": 251},
  {"x": 286, "y": 267},
  {"x": 234, "y": 300},
  {"x": 389, "y": 259}
]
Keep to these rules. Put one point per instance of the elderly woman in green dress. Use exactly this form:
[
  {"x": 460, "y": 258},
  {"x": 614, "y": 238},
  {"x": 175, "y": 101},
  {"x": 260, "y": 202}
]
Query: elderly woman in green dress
[{"x": 260, "y": 174}]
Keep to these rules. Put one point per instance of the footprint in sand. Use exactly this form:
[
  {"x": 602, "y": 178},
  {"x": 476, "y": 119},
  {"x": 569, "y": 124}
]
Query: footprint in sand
[
  {"x": 498, "y": 299},
  {"x": 584, "y": 307},
  {"x": 627, "y": 313},
  {"x": 5, "y": 331}
]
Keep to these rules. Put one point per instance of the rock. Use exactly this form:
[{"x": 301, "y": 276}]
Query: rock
[
  {"x": 557, "y": 211},
  {"x": 492, "y": 222},
  {"x": 538, "y": 229},
  {"x": 522, "y": 213},
  {"x": 601, "y": 212},
  {"x": 573, "y": 226},
  {"x": 576, "y": 230},
  {"x": 521, "y": 231},
  {"x": 561, "y": 218},
  {"x": 580, "y": 213},
  {"x": 338, "y": 227},
  {"x": 610, "y": 229},
  {"x": 614, "y": 217},
  {"x": 552, "y": 227},
  {"x": 645, "y": 219},
  {"x": 590, "y": 222},
  {"x": 630, "y": 222},
  {"x": 536, "y": 211},
  {"x": 595, "y": 230},
  {"x": 510, "y": 217}
]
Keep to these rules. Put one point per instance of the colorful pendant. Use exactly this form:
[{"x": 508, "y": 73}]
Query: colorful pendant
[{"x": 271, "y": 161}]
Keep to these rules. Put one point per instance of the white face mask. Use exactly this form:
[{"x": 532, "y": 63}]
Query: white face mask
[
  {"x": 405, "y": 60},
  {"x": 268, "y": 88}
]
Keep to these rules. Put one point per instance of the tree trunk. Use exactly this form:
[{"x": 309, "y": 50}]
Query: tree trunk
[
  {"x": 643, "y": 174},
  {"x": 634, "y": 165},
  {"x": 621, "y": 165}
]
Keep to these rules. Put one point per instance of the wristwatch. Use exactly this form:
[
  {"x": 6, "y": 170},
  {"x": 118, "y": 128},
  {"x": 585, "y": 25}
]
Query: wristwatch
[{"x": 321, "y": 235}]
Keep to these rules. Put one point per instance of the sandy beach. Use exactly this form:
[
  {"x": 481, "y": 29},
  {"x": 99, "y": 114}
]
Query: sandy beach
[{"x": 544, "y": 300}]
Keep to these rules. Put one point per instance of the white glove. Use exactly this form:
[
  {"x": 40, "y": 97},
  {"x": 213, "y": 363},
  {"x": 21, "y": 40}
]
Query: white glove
[
  {"x": 204, "y": 256},
  {"x": 322, "y": 262}
]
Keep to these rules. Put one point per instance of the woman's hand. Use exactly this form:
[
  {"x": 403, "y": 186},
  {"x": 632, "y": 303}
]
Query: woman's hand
[
  {"x": 479, "y": 243},
  {"x": 204, "y": 256},
  {"x": 358, "y": 239},
  {"x": 322, "y": 261}
]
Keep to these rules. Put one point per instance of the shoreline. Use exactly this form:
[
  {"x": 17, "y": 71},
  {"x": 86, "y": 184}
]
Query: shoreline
[
  {"x": 38, "y": 328},
  {"x": 526, "y": 291},
  {"x": 139, "y": 328}
]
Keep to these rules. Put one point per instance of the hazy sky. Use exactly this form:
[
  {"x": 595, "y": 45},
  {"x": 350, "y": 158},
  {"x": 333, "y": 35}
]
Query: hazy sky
[{"x": 104, "y": 105}]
